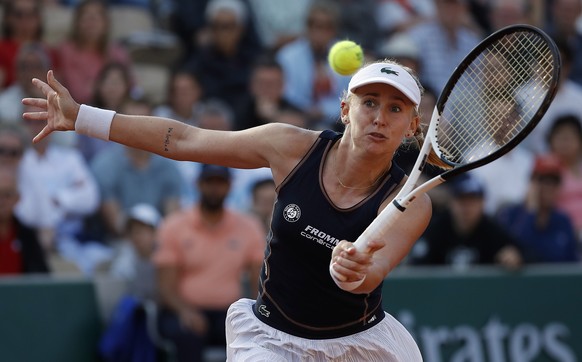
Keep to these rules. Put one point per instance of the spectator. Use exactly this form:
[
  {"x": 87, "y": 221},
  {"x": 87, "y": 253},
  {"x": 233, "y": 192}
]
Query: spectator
[
  {"x": 264, "y": 197},
  {"x": 128, "y": 176},
  {"x": 502, "y": 13},
  {"x": 84, "y": 54},
  {"x": 20, "y": 249},
  {"x": 500, "y": 189},
  {"x": 203, "y": 254},
  {"x": 364, "y": 32},
  {"x": 279, "y": 22},
  {"x": 565, "y": 140},
  {"x": 544, "y": 234},
  {"x": 183, "y": 99},
  {"x": 310, "y": 84},
  {"x": 113, "y": 87},
  {"x": 187, "y": 21},
  {"x": 133, "y": 262},
  {"x": 57, "y": 192},
  {"x": 127, "y": 336},
  {"x": 463, "y": 235},
  {"x": 13, "y": 142},
  {"x": 566, "y": 102},
  {"x": 21, "y": 24},
  {"x": 394, "y": 16},
  {"x": 265, "y": 99},
  {"x": 563, "y": 24},
  {"x": 444, "y": 41},
  {"x": 31, "y": 61},
  {"x": 223, "y": 63}
]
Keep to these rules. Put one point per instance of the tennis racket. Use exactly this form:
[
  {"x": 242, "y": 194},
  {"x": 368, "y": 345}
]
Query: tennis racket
[{"x": 492, "y": 101}]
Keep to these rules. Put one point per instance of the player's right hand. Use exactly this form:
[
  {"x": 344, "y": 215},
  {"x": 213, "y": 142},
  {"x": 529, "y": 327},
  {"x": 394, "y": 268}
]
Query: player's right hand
[{"x": 59, "y": 109}]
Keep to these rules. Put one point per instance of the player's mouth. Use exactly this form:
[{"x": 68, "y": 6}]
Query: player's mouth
[{"x": 377, "y": 136}]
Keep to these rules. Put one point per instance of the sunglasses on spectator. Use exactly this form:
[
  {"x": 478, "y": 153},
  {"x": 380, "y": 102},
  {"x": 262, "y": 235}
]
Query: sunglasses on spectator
[{"x": 10, "y": 152}]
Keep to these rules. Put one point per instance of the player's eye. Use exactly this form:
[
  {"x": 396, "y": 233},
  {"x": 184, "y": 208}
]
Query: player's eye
[
  {"x": 369, "y": 103},
  {"x": 395, "y": 109}
]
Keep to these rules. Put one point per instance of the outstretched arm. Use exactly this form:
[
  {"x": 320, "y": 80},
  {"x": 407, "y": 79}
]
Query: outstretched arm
[{"x": 278, "y": 146}]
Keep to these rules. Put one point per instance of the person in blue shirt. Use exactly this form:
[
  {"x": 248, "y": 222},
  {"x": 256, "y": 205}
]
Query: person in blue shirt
[{"x": 545, "y": 234}]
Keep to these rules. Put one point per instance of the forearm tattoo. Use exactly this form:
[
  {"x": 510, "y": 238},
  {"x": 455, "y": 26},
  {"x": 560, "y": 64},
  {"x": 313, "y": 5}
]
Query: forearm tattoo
[{"x": 167, "y": 140}]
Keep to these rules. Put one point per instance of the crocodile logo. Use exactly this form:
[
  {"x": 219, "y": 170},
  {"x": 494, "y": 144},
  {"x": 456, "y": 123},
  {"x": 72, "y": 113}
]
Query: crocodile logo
[
  {"x": 263, "y": 310},
  {"x": 388, "y": 71}
]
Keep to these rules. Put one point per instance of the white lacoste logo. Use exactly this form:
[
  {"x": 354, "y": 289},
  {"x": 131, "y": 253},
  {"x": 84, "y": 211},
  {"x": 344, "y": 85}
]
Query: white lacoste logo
[
  {"x": 372, "y": 319},
  {"x": 263, "y": 310},
  {"x": 292, "y": 212}
]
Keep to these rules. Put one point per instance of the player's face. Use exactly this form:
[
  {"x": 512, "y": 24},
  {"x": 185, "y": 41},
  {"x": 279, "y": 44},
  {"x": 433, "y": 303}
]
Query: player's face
[{"x": 379, "y": 117}]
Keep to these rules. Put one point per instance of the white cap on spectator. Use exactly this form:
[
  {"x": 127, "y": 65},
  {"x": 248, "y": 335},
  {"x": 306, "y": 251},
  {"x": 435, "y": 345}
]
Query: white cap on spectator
[
  {"x": 390, "y": 74},
  {"x": 400, "y": 46},
  {"x": 146, "y": 214},
  {"x": 235, "y": 6}
]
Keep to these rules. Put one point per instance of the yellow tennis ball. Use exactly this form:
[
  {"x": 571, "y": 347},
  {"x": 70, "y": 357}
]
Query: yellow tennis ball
[{"x": 345, "y": 57}]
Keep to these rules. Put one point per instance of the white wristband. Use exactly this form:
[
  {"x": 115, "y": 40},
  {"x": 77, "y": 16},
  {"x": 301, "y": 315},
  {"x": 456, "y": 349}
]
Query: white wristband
[
  {"x": 94, "y": 122},
  {"x": 347, "y": 286}
]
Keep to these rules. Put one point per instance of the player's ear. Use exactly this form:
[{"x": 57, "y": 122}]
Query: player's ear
[
  {"x": 414, "y": 124},
  {"x": 345, "y": 109}
]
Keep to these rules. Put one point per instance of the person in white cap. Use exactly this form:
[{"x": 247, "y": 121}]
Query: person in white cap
[{"x": 330, "y": 186}]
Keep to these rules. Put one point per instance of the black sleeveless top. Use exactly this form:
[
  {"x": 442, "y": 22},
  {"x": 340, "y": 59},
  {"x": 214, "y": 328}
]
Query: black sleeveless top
[{"x": 296, "y": 293}]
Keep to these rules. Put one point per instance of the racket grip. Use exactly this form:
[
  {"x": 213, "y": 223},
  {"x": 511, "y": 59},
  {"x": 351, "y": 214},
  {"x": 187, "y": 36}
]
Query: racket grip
[{"x": 380, "y": 226}]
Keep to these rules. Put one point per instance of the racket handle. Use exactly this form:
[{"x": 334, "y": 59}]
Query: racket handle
[{"x": 380, "y": 226}]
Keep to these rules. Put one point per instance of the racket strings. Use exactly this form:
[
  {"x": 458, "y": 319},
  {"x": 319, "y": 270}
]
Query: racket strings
[{"x": 495, "y": 98}]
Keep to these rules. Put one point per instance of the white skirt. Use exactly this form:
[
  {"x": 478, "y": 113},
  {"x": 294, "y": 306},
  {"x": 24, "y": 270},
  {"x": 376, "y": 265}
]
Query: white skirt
[{"x": 250, "y": 340}]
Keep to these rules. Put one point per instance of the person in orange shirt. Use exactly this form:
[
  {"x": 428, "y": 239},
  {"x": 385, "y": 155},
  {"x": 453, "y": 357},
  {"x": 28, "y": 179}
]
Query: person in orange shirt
[{"x": 204, "y": 252}]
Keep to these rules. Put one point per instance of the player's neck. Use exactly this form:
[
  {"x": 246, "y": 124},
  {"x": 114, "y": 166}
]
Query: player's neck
[{"x": 350, "y": 180}]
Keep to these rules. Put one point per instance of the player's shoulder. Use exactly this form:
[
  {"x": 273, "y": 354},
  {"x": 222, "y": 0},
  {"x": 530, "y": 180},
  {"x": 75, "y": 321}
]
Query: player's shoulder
[{"x": 282, "y": 134}]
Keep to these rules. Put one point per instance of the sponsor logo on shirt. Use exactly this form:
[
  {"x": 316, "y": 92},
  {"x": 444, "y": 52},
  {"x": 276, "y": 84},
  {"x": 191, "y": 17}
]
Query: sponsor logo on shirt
[
  {"x": 319, "y": 237},
  {"x": 292, "y": 213}
]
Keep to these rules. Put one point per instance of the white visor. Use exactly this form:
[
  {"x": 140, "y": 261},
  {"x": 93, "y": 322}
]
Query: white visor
[{"x": 390, "y": 74}]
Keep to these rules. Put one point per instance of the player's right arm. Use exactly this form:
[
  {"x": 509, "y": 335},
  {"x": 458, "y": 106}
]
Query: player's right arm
[{"x": 277, "y": 146}]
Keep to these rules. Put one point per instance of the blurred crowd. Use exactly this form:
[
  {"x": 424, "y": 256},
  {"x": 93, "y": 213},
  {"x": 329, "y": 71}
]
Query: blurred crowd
[{"x": 184, "y": 234}]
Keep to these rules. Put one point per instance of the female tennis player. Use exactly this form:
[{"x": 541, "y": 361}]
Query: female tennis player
[{"x": 330, "y": 187}]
